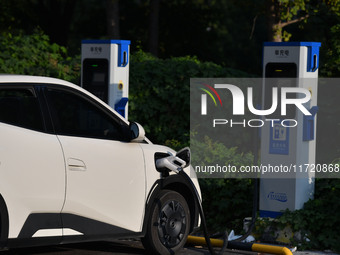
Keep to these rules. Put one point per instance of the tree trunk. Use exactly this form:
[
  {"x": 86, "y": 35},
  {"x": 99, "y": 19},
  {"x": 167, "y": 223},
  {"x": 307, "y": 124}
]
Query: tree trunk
[
  {"x": 274, "y": 26},
  {"x": 112, "y": 19},
  {"x": 154, "y": 27}
]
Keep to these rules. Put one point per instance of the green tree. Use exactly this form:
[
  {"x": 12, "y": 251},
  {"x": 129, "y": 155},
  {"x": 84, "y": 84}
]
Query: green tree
[
  {"x": 283, "y": 13},
  {"x": 35, "y": 55},
  {"x": 159, "y": 93}
]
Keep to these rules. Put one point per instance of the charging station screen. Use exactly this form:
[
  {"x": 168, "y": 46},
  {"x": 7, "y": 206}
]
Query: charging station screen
[
  {"x": 280, "y": 75},
  {"x": 96, "y": 76}
]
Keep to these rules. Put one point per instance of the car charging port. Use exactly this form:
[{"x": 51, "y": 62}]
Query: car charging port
[
  {"x": 169, "y": 163},
  {"x": 163, "y": 170}
]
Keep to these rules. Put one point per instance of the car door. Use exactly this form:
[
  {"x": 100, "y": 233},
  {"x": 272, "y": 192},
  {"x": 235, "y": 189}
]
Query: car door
[
  {"x": 32, "y": 169},
  {"x": 105, "y": 192}
]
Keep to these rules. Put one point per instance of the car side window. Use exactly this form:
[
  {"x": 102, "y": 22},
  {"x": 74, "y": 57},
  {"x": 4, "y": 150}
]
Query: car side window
[
  {"x": 76, "y": 116},
  {"x": 20, "y": 107}
]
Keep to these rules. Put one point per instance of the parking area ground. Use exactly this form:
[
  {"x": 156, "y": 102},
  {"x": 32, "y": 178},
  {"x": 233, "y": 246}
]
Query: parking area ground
[
  {"x": 123, "y": 248},
  {"x": 102, "y": 248}
]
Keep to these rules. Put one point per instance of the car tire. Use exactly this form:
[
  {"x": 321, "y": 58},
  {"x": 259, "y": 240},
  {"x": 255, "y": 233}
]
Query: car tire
[{"x": 168, "y": 224}]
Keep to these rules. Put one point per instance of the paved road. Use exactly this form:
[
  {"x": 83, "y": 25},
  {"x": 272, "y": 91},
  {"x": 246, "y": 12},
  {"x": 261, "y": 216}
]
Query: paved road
[
  {"x": 123, "y": 248},
  {"x": 101, "y": 248}
]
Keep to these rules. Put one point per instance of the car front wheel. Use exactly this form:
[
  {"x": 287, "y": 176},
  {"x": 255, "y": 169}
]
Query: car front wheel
[{"x": 168, "y": 225}]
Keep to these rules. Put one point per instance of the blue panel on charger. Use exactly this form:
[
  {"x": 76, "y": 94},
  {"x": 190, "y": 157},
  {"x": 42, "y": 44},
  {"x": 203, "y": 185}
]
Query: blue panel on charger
[
  {"x": 123, "y": 54},
  {"x": 120, "y": 106},
  {"x": 279, "y": 139},
  {"x": 313, "y": 58},
  {"x": 308, "y": 44},
  {"x": 106, "y": 42},
  {"x": 309, "y": 124}
]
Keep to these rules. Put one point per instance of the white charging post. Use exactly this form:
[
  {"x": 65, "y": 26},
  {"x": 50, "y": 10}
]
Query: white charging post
[
  {"x": 105, "y": 71},
  {"x": 282, "y": 147}
]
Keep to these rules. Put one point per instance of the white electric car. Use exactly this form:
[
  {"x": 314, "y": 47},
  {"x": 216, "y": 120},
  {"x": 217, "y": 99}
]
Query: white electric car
[{"x": 72, "y": 169}]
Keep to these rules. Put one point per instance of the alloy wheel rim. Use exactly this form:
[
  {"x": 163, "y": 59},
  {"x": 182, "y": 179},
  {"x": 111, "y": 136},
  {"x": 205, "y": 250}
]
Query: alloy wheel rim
[{"x": 171, "y": 224}]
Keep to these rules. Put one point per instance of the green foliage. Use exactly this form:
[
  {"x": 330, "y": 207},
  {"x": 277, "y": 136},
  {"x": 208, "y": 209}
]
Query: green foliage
[
  {"x": 35, "y": 55},
  {"x": 226, "y": 202},
  {"x": 291, "y": 8},
  {"x": 317, "y": 225},
  {"x": 302, "y": 20},
  {"x": 159, "y": 93},
  {"x": 331, "y": 67},
  {"x": 209, "y": 152}
]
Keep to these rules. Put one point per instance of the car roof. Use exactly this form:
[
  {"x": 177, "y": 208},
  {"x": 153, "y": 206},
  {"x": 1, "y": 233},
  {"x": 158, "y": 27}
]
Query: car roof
[{"x": 16, "y": 78}]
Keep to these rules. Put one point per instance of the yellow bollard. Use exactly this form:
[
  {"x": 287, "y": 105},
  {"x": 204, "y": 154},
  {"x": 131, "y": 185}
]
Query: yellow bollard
[{"x": 263, "y": 248}]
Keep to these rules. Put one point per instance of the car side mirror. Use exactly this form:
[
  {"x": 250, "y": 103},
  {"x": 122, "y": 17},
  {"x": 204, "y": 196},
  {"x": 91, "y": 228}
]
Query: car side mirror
[
  {"x": 137, "y": 132},
  {"x": 185, "y": 155}
]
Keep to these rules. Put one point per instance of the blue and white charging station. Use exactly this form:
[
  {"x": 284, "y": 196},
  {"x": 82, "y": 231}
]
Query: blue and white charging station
[
  {"x": 296, "y": 65},
  {"x": 105, "y": 71}
]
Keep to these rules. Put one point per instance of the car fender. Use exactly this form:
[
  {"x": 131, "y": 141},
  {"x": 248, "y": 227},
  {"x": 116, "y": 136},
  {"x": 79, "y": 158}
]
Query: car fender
[{"x": 156, "y": 182}]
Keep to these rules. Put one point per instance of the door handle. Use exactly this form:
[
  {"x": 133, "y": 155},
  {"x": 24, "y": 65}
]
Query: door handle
[{"x": 76, "y": 164}]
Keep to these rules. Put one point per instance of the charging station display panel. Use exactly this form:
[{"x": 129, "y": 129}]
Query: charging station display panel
[
  {"x": 96, "y": 76},
  {"x": 279, "y": 75}
]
